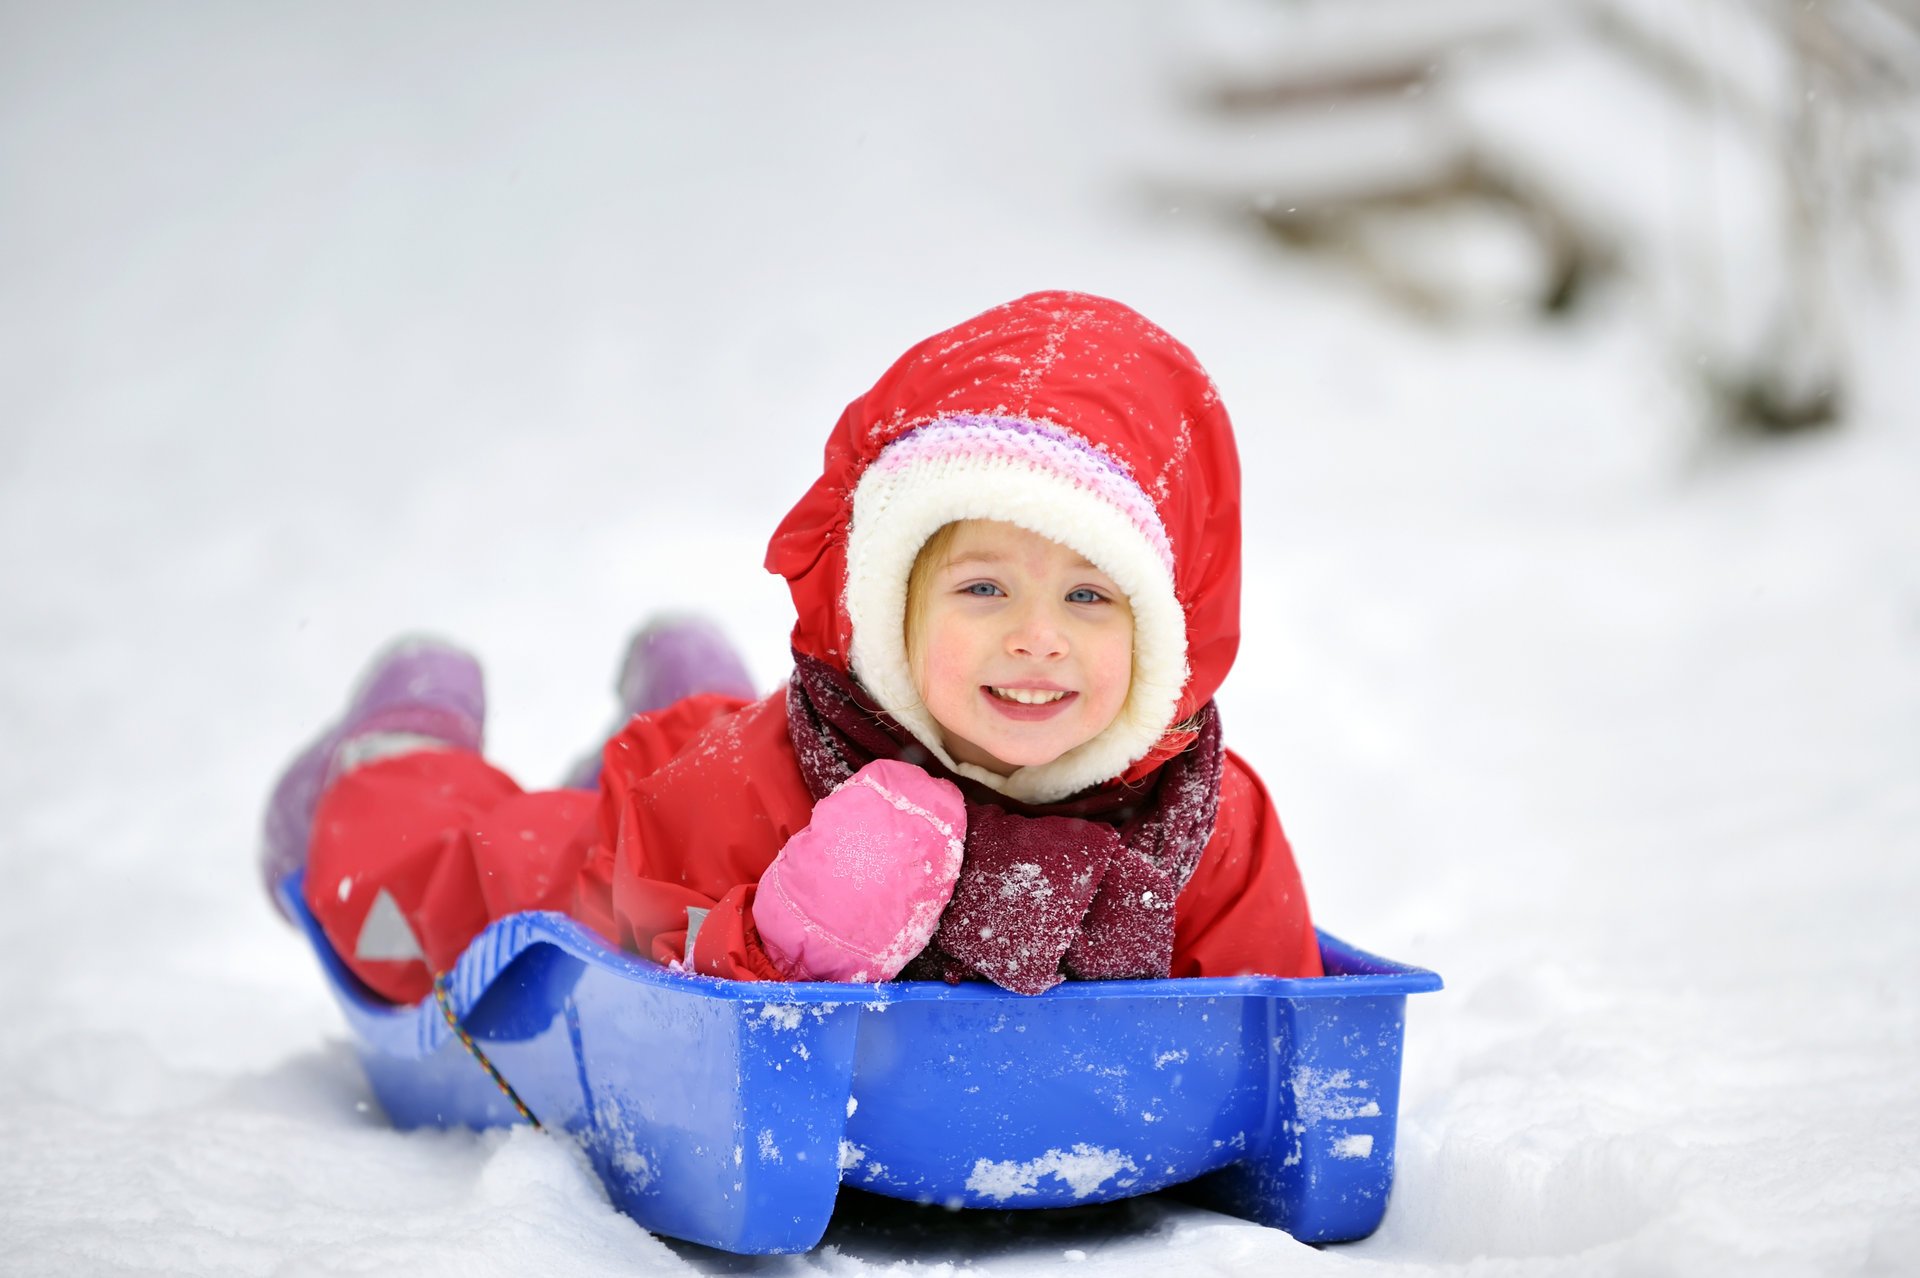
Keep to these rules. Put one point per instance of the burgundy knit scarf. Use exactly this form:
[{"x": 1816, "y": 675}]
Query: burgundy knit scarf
[{"x": 1083, "y": 888}]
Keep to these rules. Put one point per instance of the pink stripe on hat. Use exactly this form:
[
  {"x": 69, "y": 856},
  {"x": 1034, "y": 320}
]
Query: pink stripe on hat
[{"x": 1022, "y": 442}]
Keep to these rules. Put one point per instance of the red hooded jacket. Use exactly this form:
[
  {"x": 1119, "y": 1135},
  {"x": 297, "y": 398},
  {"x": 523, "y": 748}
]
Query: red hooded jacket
[{"x": 697, "y": 799}]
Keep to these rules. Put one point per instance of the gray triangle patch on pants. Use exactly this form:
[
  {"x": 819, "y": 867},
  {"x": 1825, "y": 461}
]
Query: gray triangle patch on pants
[{"x": 385, "y": 935}]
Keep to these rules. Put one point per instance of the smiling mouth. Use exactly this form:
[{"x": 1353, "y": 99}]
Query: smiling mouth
[
  {"x": 1027, "y": 705},
  {"x": 1030, "y": 695}
]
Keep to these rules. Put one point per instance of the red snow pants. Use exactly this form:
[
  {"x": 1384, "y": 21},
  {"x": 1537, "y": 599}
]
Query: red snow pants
[{"x": 419, "y": 852}]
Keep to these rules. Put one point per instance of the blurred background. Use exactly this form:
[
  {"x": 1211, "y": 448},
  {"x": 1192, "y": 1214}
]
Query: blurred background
[{"x": 1569, "y": 346}]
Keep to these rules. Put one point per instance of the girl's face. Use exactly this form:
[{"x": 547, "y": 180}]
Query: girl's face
[{"x": 1022, "y": 649}]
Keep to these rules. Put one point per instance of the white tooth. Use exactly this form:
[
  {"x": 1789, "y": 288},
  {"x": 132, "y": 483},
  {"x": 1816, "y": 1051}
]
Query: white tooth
[{"x": 1028, "y": 696}]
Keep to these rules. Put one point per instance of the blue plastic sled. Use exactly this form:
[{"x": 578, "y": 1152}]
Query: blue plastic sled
[{"x": 729, "y": 1113}]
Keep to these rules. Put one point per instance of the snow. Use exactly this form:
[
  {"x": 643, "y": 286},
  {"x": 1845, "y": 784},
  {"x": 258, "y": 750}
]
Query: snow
[
  {"x": 327, "y": 321},
  {"x": 1353, "y": 1145},
  {"x": 1084, "y": 1168},
  {"x": 1320, "y": 1094},
  {"x": 786, "y": 1016}
]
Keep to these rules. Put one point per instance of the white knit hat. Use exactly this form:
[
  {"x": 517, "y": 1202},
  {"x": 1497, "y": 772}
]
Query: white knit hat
[{"x": 1047, "y": 480}]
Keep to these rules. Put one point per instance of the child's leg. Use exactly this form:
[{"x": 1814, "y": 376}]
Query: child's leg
[
  {"x": 414, "y": 854},
  {"x": 417, "y": 694},
  {"x": 391, "y": 876},
  {"x": 670, "y": 658},
  {"x": 411, "y": 841}
]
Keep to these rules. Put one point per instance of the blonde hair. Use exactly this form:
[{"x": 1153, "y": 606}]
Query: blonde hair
[{"x": 933, "y": 556}]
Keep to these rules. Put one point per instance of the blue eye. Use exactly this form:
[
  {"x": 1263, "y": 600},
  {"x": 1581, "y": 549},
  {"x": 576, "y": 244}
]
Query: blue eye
[
  {"x": 1085, "y": 595},
  {"x": 980, "y": 589}
]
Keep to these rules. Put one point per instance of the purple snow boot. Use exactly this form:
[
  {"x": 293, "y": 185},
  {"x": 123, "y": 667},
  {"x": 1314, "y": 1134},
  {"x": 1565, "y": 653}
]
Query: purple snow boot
[
  {"x": 418, "y": 694},
  {"x": 670, "y": 658}
]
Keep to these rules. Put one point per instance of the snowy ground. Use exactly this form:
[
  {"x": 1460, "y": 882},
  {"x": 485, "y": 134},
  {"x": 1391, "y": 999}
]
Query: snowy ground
[{"x": 513, "y": 325}]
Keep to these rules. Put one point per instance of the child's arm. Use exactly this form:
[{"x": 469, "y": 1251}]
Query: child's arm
[
  {"x": 1244, "y": 911},
  {"x": 712, "y": 854},
  {"x": 859, "y": 892}
]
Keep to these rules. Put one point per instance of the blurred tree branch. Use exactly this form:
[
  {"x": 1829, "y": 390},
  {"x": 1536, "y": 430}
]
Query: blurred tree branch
[{"x": 1350, "y": 133}]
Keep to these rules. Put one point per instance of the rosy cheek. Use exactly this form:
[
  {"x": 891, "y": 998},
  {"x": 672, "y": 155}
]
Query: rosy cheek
[
  {"x": 1113, "y": 673},
  {"x": 943, "y": 668}
]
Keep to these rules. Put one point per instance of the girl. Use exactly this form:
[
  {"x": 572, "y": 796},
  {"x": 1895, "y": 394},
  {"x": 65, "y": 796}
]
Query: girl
[{"x": 1017, "y": 587}]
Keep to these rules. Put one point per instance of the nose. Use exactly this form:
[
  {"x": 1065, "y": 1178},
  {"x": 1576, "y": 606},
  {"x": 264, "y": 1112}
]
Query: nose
[{"x": 1037, "y": 635}]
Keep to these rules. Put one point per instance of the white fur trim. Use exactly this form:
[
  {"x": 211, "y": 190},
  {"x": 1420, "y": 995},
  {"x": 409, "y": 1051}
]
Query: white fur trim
[{"x": 896, "y": 509}]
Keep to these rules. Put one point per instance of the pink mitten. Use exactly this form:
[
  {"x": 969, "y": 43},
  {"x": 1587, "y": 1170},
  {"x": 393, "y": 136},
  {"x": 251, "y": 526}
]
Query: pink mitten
[{"x": 858, "y": 893}]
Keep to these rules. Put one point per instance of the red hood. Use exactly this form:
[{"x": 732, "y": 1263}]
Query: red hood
[{"x": 1084, "y": 363}]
